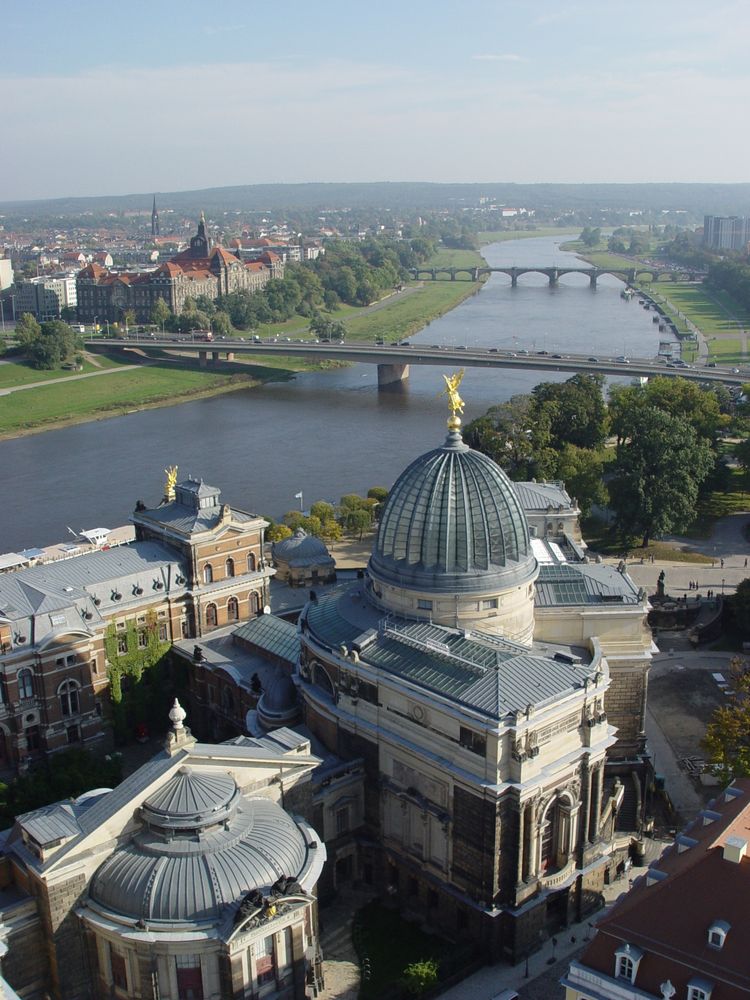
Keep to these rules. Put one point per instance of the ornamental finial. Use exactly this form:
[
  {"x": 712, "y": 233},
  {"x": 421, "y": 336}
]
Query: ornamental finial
[
  {"x": 171, "y": 474},
  {"x": 455, "y": 403},
  {"x": 177, "y": 716}
]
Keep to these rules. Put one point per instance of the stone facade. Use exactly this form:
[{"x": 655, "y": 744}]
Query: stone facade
[{"x": 202, "y": 269}]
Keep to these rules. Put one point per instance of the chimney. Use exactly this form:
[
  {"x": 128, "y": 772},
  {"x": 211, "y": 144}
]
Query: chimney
[{"x": 735, "y": 849}]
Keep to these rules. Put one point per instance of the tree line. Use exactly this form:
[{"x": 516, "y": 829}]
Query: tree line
[{"x": 648, "y": 452}]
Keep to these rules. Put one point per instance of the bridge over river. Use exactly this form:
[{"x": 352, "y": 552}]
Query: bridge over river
[
  {"x": 393, "y": 360},
  {"x": 553, "y": 274}
]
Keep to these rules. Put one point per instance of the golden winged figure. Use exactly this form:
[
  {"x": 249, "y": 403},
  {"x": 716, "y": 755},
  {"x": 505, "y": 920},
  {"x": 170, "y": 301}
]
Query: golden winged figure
[
  {"x": 171, "y": 474},
  {"x": 455, "y": 403}
]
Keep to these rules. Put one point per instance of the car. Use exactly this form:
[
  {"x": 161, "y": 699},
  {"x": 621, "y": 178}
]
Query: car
[
  {"x": 623, "y": 360},
  {"x": 711, "y": 364},
  {"x": 493, "y": 350},
  {"x": 435, "y": 347},
  {"x": 461, "y": 347},
  {"x": 557, "y": 356},
  {"x": 542, "y": 352},
  {"x": 523, "y": 351},
  {"x": 735, "y": 371},
  {"x": 592, "y": 358}
]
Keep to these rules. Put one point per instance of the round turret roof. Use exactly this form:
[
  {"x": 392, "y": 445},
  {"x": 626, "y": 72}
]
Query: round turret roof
[
  {"x": 201, "y": 849},
  {"x": 301, "y": 550},
  {"x": 453, "y": 522}
]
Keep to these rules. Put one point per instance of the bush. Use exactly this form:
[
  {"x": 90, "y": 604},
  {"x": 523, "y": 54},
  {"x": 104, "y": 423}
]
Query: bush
[{"x": 420, "y": 976}]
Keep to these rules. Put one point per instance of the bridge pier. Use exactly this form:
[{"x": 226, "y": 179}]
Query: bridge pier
[
  {"x": 554, "y": 278},
  {"x": 230, "y": 355},
  {"x": 203, "y": 359},
  {"x": 453, "y": 274},
  {"x": 390, "y": 374},
  {"x": 513, "y": 278},
  {"x": 592, "y": 281}
]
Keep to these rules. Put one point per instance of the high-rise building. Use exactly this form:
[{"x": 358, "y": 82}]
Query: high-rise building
[
  {"x": 46, "y": 297},
  {"x": 721, "y": 232}
]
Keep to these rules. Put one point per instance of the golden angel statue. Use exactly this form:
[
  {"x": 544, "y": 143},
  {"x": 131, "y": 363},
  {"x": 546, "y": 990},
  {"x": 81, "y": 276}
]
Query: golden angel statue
[
  {"x": 455, "y": 403},
  {"x": 171, "y": 474}
]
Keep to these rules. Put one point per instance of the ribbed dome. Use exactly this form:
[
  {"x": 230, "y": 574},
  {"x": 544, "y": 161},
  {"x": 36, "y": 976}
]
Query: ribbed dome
[
  {"x": 453, "y": 522},
  {"x": 301, "y": 549},
  {"x": 176, "y": 877}
]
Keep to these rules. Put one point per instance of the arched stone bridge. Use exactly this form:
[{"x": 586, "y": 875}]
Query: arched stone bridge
[{"x": 553, "y": 274}]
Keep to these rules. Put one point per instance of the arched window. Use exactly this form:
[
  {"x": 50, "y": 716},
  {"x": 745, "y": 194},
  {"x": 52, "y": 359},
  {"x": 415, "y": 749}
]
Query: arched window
[
  {"x": 208, "y": 573},
  {"x": 254, "y": 603},
  {"x": 233, "y": 609},
  {"x": 624, "y": 967},
  {"x": 250, "y": 562},
  {"x": 230, "y": 566},
  {"x": 227, "y": 700},
  {"x": 322, "y": 680},
  {"x": 212, "y": 617},
  {"x": 68, "y": 694},
  {"x": 25, "y": 684}
]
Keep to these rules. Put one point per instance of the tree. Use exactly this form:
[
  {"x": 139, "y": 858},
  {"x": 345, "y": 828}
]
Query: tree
[
  {"x": 657, "y": 472},
  {"x": 323, "y": 511},
  {"x": 687, "y": 401},
  {"x": 516, "y": 435},
  {"x": 727, "y": 739},
  {"x": 575, "y": 409},
  {"x": 27, "y": 331},
  {"x": 160, "y": 312},
  {"x": 581, "y": 469},
  {"x": 220, "y": 324},
  {"x": 278, "y": 532},
  {"x": 590, "y": 237},
  {"x": 358, "y": 521},
  {"x": 128, "y": 318}
]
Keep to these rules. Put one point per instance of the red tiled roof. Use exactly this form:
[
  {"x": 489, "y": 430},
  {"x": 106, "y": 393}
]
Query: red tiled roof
[{"x": 669, "y": 919}]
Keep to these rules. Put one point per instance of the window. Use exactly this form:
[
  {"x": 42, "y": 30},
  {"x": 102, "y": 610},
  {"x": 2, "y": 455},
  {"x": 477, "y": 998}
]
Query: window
[
  {"x": 68, "y": 694},
  {"x": 233, "y": 609},
  {"x": 163, "y": 634},
  {"x": 94, "y": 667},
  {"x": 717, "y": 933},
  {"x": 122, "y": 644},
  {"x": 250, "y": 562},
  {"x": 119, "y": 971},
  {"x": 142, "y": 640},
  {"x": 489, "y": 604},
  {"x": 33, "y": 741},
  {"x": 25, "y": 684},
  {"x": 424, "y": 605},
  {"x": 212, "y": 617},
  {"x": 625, "y": 968},
  {"x": 230, "y": 566},
  {"x": 74, "y": 734},
  {"x": 342, "y": 820},
  {"x": 696, "y": 993},
  {"x": 208, "y": 573},
  {"x": 472, "y": 741},
  {"x": 264, "y": 964},
  {"x": 189, "y": 977}
]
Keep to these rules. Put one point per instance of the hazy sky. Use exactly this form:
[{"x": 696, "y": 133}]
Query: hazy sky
[{"x": 112, "y": 98}]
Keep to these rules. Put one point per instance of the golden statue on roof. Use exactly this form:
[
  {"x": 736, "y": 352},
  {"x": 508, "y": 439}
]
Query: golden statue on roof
[
  {"x": 171, "y": 474},
  {"x": 455, "y": 403}
]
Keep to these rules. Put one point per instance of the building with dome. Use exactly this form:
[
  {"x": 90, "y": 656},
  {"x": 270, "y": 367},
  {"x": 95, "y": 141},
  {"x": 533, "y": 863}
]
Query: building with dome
[
  {"x": 303, "y": 560},
  {"x": 194, "y": 879},
  {"x": 471, "y": 670}
]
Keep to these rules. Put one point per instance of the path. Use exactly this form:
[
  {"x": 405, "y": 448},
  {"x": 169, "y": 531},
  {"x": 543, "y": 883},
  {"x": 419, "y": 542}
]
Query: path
[{"x": 73, "y": 378}]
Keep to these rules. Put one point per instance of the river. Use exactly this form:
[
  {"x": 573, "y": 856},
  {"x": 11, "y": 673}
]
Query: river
[{"x": 324, "y": 433}]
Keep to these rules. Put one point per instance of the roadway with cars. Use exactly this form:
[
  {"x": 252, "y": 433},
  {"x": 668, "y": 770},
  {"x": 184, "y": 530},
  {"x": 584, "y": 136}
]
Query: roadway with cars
[{"x": 420, "y": 354}]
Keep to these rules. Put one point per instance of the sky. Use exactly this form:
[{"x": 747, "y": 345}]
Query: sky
[{"x": 117, "y": 98}]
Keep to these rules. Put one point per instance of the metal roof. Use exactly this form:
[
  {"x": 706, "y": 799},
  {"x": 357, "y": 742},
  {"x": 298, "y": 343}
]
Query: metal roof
[
  {"x": 570, "y": 584},
  {"x": 485, "y": 672},
  {"x": 273, "y": 635},
  {"x": 453, "y": 522},
  {"x": 535, "y": 497},
  {"x": 51, "y": 823}
]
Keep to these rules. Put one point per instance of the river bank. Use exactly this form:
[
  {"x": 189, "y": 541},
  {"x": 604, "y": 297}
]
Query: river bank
[{"x": 169, "y": 383}]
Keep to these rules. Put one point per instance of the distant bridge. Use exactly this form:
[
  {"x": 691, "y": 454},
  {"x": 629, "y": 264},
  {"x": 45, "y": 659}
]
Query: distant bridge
[
  {"x": 393, "y": 360},
  {"x": 553, "y": 274}
]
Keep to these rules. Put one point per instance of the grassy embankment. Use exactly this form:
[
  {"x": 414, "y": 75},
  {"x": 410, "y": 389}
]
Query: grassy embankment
[
  {"x": 169, "y": 380},
  {"x": 503, "y": 235}
]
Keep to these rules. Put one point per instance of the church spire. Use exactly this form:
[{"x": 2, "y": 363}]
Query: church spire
[{"x": 154, "y": 220}]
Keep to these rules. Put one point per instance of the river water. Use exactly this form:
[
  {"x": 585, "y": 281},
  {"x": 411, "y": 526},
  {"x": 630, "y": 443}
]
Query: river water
[{"x": 324, "y": 433}]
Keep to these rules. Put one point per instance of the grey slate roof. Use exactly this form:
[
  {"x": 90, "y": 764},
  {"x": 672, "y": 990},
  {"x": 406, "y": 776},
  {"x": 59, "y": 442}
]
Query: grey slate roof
[
  {"x": 537, "y": 497},
  {"x": 487, "y": 673},
  {"x": 302, "y": 550},
  {"x": 61, "y": 595}
]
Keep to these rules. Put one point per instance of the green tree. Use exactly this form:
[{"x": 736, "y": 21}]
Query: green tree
[
  {"x": 590, "y": 237},
  {"x": 582, "y": 470},
  {"x": 357, "y": 521},
  {"x": 687, "y": 401},
  {"x": 278, "y": 532},
  {"x": 160, "y": 312},
  {"x": 657, "y": 473},
  {"x": 727, "y": 739},
  {"x": 516, "y": 435},
  {"x": 220, "y": 324},
  {"x": 128, "y": 318},
  {"x": 576, "y": 410},
  {"x": 28, "y": 331},
  {"x": 323, "y": 511}
]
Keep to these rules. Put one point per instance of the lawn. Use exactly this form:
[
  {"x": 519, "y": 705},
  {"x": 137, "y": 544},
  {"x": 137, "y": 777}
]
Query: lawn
[
  {"x": 390, "y": 943},
  {"x": 449, "y": 257},
  {"x": 408, "y": 315},
  {"x": 90, "y": 398},
  {"x": 698, "y": 305},
  {"x": 504, "y": 235},
  {"x": 21, "y": 373}
]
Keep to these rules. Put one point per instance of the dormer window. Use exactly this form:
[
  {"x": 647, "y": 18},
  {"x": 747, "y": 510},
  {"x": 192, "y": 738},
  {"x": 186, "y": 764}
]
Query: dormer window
[
  {"x": 717, "y": 933},
  {"x": 627, "y": 959},
  {"x": 699, "y": 989}
]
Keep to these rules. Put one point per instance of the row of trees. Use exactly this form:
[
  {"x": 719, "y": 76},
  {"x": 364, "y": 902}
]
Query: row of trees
[
  {"x": 732, "y": 277},
  {"x": 665, "y": 446},
  {"x": 48, "y": 345},
  {"x": 353, "y": 515}
]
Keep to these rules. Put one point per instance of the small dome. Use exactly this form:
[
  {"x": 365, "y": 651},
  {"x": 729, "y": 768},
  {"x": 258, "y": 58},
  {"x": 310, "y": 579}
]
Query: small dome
[
  {"x": 281, "y": 695},
  {"x": 301, "y": 550},
  {"x": 453, "y": 522},
  {"x": 201, "y": 850}
]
